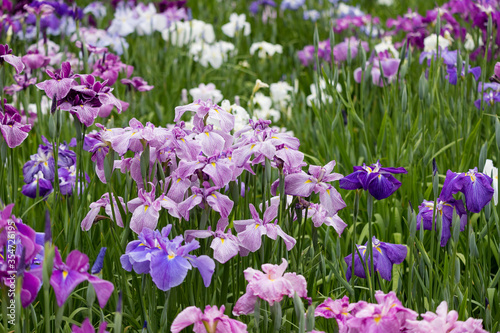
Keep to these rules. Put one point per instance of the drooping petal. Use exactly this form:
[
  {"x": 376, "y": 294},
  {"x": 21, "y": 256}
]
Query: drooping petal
[{"x": 185, "y": 318}]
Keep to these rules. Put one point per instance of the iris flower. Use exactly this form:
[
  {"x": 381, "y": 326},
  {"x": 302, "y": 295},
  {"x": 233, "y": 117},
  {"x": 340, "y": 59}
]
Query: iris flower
[
  {"x": 167, "y": 261},
  {"x": 212, "y": 320},
  {"x": 66, "y": 276},
  {"x": 385, "y": 255},
  {"x": 375, "y": 179},
  {"x": 270, "y": 285}
]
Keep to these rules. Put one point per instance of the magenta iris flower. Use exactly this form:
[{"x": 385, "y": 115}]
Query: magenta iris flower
[
  {"x": 60, "y": 83},
  {"x": 375, "y": 179},
  {"x": 388, "y": 315},
  {"x": 339, "y": 309},
  {"x": 167, "y": 261},
  {"x": 13, "y": 130},
  {"x": 212, "y": 320},
  {"x": 385, "y": 255},
  {"x": 271, "y": 285},
  {"x": 474, "y": 185},
  {"x": 66, "y": 276},
  {"x": 6, "y": 56}
]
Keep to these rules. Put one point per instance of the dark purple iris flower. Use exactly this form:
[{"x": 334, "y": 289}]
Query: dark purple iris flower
[
  {"x": 384, "y": 256},
  {"x": 445, "y": 210},
  {"x": 474, "y": 185},
  {"x": 66, "y": 276},
  {"x": 375, "y": 179},
  {"x": 85, "y": 100}
]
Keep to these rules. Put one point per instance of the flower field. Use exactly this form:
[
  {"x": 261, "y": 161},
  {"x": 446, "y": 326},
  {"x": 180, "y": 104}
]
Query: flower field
[{"x": 249, "y": 166}]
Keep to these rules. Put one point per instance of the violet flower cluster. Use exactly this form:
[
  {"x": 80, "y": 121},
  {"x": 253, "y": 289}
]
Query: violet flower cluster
[{"x": 39, "y": 172}]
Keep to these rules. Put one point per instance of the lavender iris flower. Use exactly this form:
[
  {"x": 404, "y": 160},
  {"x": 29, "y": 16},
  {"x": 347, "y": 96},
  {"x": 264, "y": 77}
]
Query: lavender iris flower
[
  {"x": 474, "y": 185},
  {"x": 60, "y": 83},
  {"x": 250, "y": 231},
  {"x": 207, "y": 195},
  {"x": 167, "y": 261},
  {"x": 375, "y": 179},
  {"x": 224, "y": 244},
  {"x": 66, "y": 276},
  {"x": 384, "y": 256},
  {"x": 317, "y": 180}
]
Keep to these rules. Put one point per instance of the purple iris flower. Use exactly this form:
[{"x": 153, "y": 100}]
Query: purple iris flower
[
  {"x": 66, "y": 276},
  {"x": 445, "y": 210},
  {"x": 88, "y": 328},
  {"x": 384, "y": 256},
  {"x": 224, "y": 244},
  {"x": 109, "y": 67},
  {"x": 256, "y": 5},
  {"x": 27, "y": 252},
  {"x": 474, "y": 185},
  {"x": 491, "y": 93},
  {"x": 137, "y": 83},
  {"x": 60, "y": 83},
  {"x": 13, "y": 130},
  {"x": 85, "y": 100},
  {"x": 375, "y": 179},
  {"x": 317, "y": 180},
  {"x": 167, "y": 261},
  {"x": 34, "y": 60},
  {"x": 38, "y": 183},
  {"x": 22, "y": 83},
  {"x": 5, "y": 55},
  {"x": 250, "y": 231}
]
